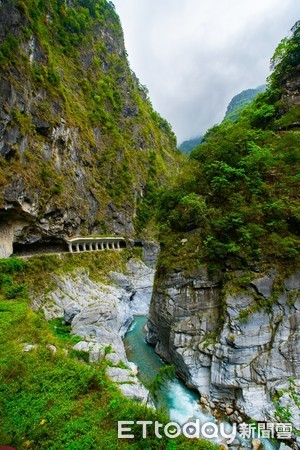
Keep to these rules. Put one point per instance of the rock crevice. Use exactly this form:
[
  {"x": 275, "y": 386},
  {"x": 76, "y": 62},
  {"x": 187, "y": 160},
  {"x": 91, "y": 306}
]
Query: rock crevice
[
  {"x": 235, "y": 349},
  {"x": 101, "y": 314}
]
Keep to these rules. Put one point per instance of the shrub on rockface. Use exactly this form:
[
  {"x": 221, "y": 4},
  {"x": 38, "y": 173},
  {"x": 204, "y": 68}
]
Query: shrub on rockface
[{"x": 286, "y": 59}]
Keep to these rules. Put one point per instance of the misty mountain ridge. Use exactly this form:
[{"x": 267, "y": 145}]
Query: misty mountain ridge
[
  {"x": 236, "y": 105},
  {"x": 189, "y": 145},
  {"x": 239, "y": 102}
]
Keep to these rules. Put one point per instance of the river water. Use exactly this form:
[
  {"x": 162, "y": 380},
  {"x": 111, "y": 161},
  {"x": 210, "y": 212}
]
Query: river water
[{"x": 180, "y": 402}]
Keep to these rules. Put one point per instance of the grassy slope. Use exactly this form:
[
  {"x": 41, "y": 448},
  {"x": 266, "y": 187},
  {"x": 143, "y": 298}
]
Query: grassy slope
[{"x": 59, "y": 401}]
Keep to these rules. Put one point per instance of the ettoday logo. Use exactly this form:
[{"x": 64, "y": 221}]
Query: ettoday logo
[
  {"x": 208, "y": 430},
  {"x": 191, "y": 430}
]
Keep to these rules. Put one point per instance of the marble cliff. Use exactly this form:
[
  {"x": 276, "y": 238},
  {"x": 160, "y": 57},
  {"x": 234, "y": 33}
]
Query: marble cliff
[{"x": 240, "y": 348}]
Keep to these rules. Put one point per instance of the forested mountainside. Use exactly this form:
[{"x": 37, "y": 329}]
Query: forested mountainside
[
  {"x": 240, "y": 189},
  {"x": 79, "y": 139},
  {"x": 187, "y": 146},
  {"x": 226, "y": 308},
  {"x": 240, "y": 101}
]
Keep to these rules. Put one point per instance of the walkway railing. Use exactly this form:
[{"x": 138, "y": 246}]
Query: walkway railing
[{"x": 89, "y": 244}]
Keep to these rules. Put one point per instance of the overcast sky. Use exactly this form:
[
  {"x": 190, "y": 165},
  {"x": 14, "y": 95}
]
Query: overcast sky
[{"x": 195, "y": 55}]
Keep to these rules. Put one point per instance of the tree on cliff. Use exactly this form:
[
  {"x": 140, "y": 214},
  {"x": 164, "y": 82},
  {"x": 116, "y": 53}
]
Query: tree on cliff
[{"x": 286, "y": 58}]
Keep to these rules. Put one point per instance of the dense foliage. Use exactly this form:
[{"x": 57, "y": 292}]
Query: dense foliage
[
  {"x": 238, "y": 197},
  {"x": 286, "y": 59},
  {"x": 244, "y": 197}
]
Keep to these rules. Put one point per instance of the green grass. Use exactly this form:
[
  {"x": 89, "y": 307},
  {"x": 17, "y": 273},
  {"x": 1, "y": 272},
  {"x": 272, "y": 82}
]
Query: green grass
[{"x": 58, "y": 401}]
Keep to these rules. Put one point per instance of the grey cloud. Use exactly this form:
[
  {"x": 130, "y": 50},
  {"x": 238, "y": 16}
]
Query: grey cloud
[{"x": 195, "y": 55}]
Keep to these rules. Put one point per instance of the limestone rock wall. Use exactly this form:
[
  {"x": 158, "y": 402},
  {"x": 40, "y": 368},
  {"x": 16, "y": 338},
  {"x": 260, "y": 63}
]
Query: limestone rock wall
[
  {"x": 292, "y": 88},
  {"x": 240, "y": 350},
  {"x": 101, "y": 314},
  {"x": 77, "y": 132}
]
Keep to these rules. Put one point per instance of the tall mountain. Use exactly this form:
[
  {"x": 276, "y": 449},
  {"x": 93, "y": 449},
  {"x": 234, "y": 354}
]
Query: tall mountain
[
  {"x": 237, "y": 104},
  {"x": 240, "y": 101},
  {"x": 79, "y": 139},
  {"x": 189, "y": 145}
]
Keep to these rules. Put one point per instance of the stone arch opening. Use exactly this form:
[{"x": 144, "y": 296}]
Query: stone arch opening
[
  {"x": 42, "y": 246},
  {"x": 122, "y": 244},
  {"x": 88, "y": 244}
]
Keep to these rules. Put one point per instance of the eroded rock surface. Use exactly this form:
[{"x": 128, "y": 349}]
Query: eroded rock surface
[
  {"x": 101, "y": 314},
  {"x": 241, "y": 350}
]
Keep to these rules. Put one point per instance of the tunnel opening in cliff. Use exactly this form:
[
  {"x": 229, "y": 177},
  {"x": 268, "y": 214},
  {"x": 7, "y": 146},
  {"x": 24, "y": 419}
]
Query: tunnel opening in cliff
[{"x": 43, "y": 246}]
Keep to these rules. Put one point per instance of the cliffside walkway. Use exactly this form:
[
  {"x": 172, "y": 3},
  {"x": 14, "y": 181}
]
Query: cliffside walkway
[
  {"x": 73, "y": 245},
  {"x": 88, "y": 244}
]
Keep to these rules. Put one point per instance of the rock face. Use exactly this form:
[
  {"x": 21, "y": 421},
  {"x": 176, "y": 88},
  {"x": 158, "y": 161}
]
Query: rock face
[
  {"x": 101, "y": 314},
  {"x": 150, "y": 253},
  {"x": 78, "y": 135},
  {"x": 241, "y": 349},
  {"x": 292, "y": 88}
]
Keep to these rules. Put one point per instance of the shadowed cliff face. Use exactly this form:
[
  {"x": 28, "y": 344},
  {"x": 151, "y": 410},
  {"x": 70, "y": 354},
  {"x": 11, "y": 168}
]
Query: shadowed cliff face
[
  {"x": 78, "y": 137},
  {"x": 292, "y": 88}
]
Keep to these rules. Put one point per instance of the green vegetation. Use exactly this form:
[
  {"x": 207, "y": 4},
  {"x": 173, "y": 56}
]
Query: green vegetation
[
  {"x": 97, "y": 264},
  {"x": 236, "y": 204},
  {"x": 62, "y": 332},
  {"x": 283, "y": 413},
  {"x": 8, "y": 287},
  {"x": 59, "y": 400},
  {"x": 87, "y": 103},
  {"x": 240, "y": 101},
  {"x": 286, "y": 59},
  {"x": 7, "y": 49},
  {"x": 165, "y": 374}
]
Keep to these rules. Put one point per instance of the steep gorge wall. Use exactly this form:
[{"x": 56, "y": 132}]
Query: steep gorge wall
[
  {"x": 238, "y": 347},
  {"x": 79, "y": 139}
]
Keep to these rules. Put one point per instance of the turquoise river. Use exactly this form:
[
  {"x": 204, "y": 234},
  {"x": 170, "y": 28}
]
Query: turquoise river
[{"x": 180, "y": 402}]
